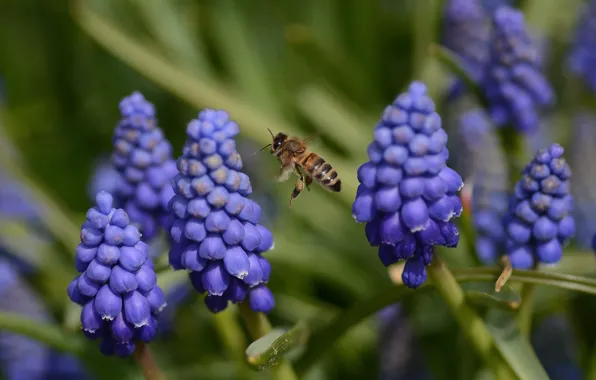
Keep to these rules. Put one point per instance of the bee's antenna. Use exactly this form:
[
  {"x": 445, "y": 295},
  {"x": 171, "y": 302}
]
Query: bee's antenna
[
  {"x": 271, "y": 133},
  {"x": 266, "y": 146}
]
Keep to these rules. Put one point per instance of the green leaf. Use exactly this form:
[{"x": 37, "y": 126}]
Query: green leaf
[
  {"x": 514, "y": 348},
  {"x": 324, "y": 107},
  {"x": 507, "y": 299},
  {"x": 453, "y": 63},
  {"x": 325, "y": 338},
  {"x": 201, "y": 92},
  {"x": 165, "y": 20},
  {"x": 49, "y": 334},
  {"x": 268, "y": 350}
]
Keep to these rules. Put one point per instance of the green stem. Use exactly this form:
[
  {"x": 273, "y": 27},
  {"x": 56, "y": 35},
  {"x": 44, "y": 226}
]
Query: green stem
[
  {"x": 470, "y": 322},
  {"x": 524, "y": 316},
  {"x": 324, "y": 339},
  {"x": 147, "y": 363},
  {"x": 258, "y": 325},
  {"x": 49, "y": 334},
  {"x": 231, "y": 333}
]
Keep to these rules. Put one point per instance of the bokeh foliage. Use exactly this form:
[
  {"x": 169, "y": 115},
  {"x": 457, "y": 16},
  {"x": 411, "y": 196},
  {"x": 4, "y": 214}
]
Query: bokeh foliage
[{"x": 326, "y": 66}]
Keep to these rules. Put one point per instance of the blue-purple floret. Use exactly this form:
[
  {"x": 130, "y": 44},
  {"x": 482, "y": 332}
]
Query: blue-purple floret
[
  {"x": 143, "y": 157},
  {"x": 514, "y": 85},
  {"x": 466, "y": 29},
  {"x": 540, "y": 221},
  {"x": 583, "y": 55},
  {"x": 216, "y": 233},
  {"x": 407, "y": 194},
  {"x": 117, "y": 287}
]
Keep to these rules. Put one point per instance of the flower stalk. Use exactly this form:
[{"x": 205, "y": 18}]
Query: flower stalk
[
  {"x": 472, "y": 325},
  {"x": 258, "y": 325},
  {"x": 147, "y": 363}
]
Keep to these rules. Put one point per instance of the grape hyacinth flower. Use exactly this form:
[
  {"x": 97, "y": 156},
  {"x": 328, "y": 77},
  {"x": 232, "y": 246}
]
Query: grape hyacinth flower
[
  {"x": 540, "y": 221},
  {"x": 216, "y": 233},
  {"x": 407, "y": 194},
  {"x": 117, "y": 287},
  {"x": 143, "y": 157},
  {"x": 490, "y": 195},
  {"x": 513, "y": 82},
  {"x": 466, "y": 31},
  {"x": 583, "y": 55},
  {"x": 583, "y": 138},
  {"x": 23, "y": 358}
]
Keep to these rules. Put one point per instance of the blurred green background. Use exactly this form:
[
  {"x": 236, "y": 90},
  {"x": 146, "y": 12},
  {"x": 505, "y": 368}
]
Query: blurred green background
[{"x": 328, "y": 66}]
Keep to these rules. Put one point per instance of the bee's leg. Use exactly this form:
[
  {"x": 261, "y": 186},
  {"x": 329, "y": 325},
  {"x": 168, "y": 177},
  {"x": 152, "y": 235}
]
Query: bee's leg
[
  {"x": 285, "y": 172},
  {"x": 297, "y": 189},
  {"x": 308, "y": 182}
]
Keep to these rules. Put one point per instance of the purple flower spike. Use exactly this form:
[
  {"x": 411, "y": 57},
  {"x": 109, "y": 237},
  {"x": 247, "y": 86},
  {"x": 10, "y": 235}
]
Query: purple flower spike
[
  {"x": 118, "y": 286},
  {"x": 216, "y": 230},
  {"x": 143, "y": 158},
  {"x": 539, "y": 223},
  {"x": 512, "y": 80},
  {"x": 467, "y": 33},
  {"x": 407, "y": 194},
  {"x": 583, "y": 55}
]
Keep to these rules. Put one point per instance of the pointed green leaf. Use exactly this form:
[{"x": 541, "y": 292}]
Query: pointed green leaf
[
  {"x": 43, "y": 332},
  {"x": 513, "y": 346},
  {"x": 453, "y": 63},
  {"x": 268, "y": 350},
  {"x": 507, "y": 299}
]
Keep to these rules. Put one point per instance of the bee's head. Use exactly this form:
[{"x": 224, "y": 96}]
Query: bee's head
[
  {"x": 278, "y": 141},
  {"x": 276, "y": 144}
]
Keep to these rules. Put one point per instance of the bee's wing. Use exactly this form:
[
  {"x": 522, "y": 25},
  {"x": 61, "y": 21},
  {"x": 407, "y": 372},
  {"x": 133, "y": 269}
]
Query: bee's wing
[{"x": 311, "y": 138}]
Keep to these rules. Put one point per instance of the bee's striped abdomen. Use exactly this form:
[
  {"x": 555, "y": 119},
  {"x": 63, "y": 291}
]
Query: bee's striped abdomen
[{"x": 316, "y": 167}]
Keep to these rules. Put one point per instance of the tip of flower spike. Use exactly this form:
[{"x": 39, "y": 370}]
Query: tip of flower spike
[
  {"x": 104, "y": 201},
  {"x": 506, "y": 15},
  {"x": 417, "y": 87},
  {"x": 136, "y": 102}
]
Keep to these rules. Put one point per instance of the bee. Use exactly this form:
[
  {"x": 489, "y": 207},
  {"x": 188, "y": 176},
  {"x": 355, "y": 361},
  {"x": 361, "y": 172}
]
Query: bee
[{"x": 295, "y": 157}]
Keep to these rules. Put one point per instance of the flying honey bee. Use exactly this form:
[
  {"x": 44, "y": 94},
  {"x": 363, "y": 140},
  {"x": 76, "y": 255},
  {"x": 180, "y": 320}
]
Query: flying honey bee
[{"x": 295, "y": 157}]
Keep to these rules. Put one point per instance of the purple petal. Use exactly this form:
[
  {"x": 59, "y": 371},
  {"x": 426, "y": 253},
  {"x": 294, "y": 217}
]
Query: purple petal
[
  {"x": 261, "y": 299},
  {"x": 122, "y": 281},
  {"x": 415, "y": 214},
  {"x": 147, "y": 333},
  {"x": 87, "y": 287},
  {"x": 212, "y": 248},
  {"x": 122, "y": 331},
  {"x": 136, "y": 309},
  {"x": 234, "y": 234},
  {"x": 108, "y": 254},
  {"x": 549, "y": 252},
  {"x": 131, "y": 259},
  {"x": 90, "y": 319},
  {"x": 98, "y": 272},
  {"x": 255, "y": 272},
  {"x": 157, "y": 299},
  {"x": 104, "y": 202},
  {"x": 391, "y": 230},
  {"x": 236, "y": 262},
  {"x": 237, "y": 290},
  {"x": 215, "y": 279},
  {"x": 216, "y": 303},
  {"x": 114, "y": 235},
  {"x": 107, "y": 304},
  {"x": 146, "y": 278},
  {"x": 191, "y": 260},
  {"x": 195, "y": 230}
]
